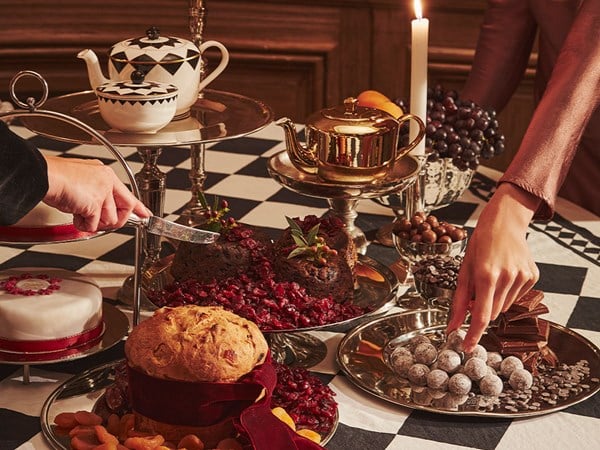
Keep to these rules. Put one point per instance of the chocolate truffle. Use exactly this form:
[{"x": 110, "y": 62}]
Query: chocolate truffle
[
  {"x": 491, "y": 385},
  {"x": 455, "y": 340},
  {"x": 417, "y": 374},
  {"x": 510, "y": 364},
  {"x": 493, "y": 360},
  {"x": 437, "y": 379},
  {"x": 425, "y": 353},
  {"x": 520, "y": 379},
  {"x": 422, "y": 398},
  {"x": 475, "y": 369},
  {"x": 478, "y": 352},
  {"x": 459, "y": 384},
  {"x": 448, "y": 360},
  {"x": 402, "y": 363},
  {"x": 416, "y": 340},
  {"x": 399, "y": 351}
]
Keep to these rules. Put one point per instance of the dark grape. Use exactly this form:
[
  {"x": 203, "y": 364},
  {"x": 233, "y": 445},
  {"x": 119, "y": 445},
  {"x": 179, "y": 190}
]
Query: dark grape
[{"x": 457, "y": 129}]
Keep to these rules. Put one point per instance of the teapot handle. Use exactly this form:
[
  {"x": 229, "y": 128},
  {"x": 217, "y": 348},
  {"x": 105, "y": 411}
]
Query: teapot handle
[{"x": 405, "y": 118}]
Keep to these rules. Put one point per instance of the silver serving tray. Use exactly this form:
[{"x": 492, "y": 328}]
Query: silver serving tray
[
  {"x": 116, "y": 327},
  {"x": 81, "y": 393},
  {"x": 215, "y": 116},
  {"x": 284, "y": 172},
  {"x": 376, "y": 291},
  {"x": 362, "y": 355}
]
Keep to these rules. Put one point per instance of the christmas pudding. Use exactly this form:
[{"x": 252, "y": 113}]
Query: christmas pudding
[
  {"x": 209, "y": 374},
  {"x": 48, "y": 310},
  {"x": 318, "y": 254}
]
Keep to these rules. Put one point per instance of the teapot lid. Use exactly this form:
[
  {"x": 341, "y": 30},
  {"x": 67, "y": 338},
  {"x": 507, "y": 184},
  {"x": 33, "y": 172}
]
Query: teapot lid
[
  {"x": 136, "y": 89},
  {"x": 351, "y": 118},
  {"x": 154, "y": 48}
]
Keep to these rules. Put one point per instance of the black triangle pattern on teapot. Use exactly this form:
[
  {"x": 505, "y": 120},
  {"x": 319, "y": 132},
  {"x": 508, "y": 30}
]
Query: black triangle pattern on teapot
[
  {"x": 117, "y": 60},
  {"x": 143, "y": 42},
  {"x": 170, "y": 62},
  {"x": 142, "y": 102}
]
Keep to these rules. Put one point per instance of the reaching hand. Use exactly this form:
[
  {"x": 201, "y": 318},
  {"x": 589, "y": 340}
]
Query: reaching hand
[
  {"x": 92, "y": 192},
  {"x": 498, "y": 267}
]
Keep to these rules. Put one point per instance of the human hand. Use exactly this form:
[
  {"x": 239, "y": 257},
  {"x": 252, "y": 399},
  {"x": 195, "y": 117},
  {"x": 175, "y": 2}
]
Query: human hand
[
  {"x": 92, "y": 192},
  {"x": 498, "y": 267}
]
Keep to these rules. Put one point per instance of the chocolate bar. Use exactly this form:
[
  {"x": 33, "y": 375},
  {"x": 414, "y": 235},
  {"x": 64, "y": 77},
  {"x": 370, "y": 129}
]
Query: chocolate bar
[
  {"x": 505, "y": 345},
  {"x": 528, "y": 329},
  {"x": 518, "y": 312},
  {"x": 530, "y": 300}
]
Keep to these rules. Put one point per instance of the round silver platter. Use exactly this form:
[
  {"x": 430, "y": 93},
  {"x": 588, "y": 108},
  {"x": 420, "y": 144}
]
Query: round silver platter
[
  {"x": 215, "y": 116},
  {"x": 116, "y": 327},
  {"x": 362, "y": 356},
  {"x": 284, "y": 172},
  {"x": 376, "y": 290},
  {"x": 81, "y": 393}
]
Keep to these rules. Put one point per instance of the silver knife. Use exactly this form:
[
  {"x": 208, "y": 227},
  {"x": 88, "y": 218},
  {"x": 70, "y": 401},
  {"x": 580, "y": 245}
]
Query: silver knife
[{"x": 163, "y": 227}]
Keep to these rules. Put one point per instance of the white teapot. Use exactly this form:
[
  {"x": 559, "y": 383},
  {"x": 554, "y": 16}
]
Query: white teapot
[{"x": 169, "y": 60}]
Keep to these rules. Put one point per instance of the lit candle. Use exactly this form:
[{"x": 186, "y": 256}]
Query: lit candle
[{"x": 418, "y": 74}]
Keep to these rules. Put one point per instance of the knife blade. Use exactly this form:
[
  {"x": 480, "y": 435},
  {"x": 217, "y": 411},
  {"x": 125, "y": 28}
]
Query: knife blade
[{"x": 173, "y": 230}]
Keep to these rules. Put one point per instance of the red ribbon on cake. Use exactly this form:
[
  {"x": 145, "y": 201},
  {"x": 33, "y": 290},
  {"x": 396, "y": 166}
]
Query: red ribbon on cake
[
  {"x": 205, "y": 404},
  {"x": 52, "y": 345}
]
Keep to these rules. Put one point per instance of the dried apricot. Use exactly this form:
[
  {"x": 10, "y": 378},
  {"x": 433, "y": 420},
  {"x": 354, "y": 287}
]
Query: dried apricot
[
  {"x": 87, "y": 418},
  {"x": 144, "y": 443},
  {"x": 191, "y": 442},
  {"x": 104, "y": 436},
  {"x": 310, "y": 434},
  {"x": 282, "y": 415},
  {"x": 66, "y": 420}
]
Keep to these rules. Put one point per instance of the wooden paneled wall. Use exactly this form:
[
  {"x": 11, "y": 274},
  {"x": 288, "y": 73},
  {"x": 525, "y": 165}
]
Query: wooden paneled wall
[{"x": 296, "y": 55}]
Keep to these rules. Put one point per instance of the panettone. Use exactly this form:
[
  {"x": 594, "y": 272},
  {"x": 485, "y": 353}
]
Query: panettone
[
  {"x": 196, "y": 343},
  {"x": 184, "y": 364}
]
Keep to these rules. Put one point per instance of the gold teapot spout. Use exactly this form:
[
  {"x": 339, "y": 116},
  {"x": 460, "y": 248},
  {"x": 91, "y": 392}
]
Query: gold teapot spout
[
  {"x": 300, "y": 156},
  {"x": 93, "y": 68}
]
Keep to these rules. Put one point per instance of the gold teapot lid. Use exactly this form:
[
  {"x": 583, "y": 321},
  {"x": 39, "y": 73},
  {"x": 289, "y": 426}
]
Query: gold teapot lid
[{"x": 352, "y": 119}]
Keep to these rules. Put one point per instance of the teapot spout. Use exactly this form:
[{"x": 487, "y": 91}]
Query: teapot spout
[
  {"x": 93, "y": 68},
  {"x": 300, "y": 156}
]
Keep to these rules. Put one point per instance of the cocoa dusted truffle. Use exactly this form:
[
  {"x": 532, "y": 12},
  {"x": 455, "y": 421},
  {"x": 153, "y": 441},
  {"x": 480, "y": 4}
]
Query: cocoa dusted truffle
[{"x": 520, "y": 379}]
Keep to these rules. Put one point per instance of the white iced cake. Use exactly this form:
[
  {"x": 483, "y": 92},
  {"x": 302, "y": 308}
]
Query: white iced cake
[
  {"x": 48, "y": 309},
  {"x": 42, "y": 216}
]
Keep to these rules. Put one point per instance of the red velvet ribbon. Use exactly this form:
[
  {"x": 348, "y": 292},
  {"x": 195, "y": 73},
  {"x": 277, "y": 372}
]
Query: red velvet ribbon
[
  {"x": 52, "y": 345},
  {"x": 204, "y": 404},
  {"x": 39, "y": 231}
]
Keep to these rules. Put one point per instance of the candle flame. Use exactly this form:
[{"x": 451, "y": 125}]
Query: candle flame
[{"x": 418, "y": 9}]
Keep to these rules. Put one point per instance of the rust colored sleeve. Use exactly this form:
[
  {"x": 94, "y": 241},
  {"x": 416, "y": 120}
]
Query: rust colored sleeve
[
  {"x": 570, "y": 98},
  {"x": 503, "y": 48}
]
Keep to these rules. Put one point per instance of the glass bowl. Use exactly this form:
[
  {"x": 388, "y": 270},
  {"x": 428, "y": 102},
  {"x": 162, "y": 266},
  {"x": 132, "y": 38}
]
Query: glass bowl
[{"x": 425, "y": 294}]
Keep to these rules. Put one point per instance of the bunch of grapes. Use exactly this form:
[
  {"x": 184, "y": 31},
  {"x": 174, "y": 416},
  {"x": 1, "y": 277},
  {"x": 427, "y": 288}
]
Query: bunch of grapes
[{"x": 457, "y": 129}]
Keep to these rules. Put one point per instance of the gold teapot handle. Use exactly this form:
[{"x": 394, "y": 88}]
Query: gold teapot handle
[{"x": 405, "y": 118}]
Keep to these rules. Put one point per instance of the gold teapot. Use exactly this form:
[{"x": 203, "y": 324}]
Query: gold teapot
[{"x": 349, "y": 143}]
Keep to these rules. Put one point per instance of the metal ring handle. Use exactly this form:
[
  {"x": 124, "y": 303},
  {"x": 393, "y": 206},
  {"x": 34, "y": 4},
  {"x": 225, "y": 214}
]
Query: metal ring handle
[{"x": 30, "y": 103}]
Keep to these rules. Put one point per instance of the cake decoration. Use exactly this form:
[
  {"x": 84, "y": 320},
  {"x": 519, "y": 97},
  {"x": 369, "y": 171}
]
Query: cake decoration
[{"x": 29, "y": 284}]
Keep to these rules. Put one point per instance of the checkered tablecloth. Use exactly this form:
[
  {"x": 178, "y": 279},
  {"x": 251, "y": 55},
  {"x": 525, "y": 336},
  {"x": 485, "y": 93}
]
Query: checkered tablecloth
[{"x": 567, "y": 250}]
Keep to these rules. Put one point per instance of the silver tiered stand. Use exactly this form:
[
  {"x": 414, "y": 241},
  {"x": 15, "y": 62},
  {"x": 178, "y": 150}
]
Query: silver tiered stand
[
  {"x": 343, "y": 197},
  {"x": 116, "y": 324}
]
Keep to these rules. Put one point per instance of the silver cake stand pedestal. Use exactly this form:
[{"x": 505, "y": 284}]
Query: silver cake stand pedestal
[{"x": 343, "y": 198}]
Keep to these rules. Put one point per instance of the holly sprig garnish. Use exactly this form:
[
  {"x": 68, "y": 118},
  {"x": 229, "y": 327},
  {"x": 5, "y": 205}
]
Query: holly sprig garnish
[
  {"x": 309, "y": 245},
  {"x": 216, "y": 214}
]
